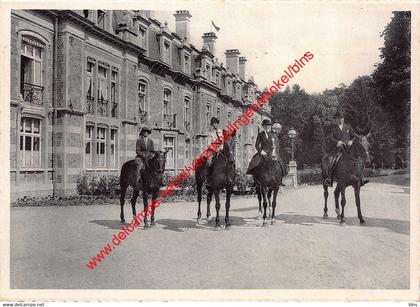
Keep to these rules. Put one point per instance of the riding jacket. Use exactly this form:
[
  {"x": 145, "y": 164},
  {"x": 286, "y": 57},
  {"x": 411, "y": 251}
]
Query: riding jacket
[
  {"x": 336, "y": 134},
  {"x": 144, "y": 147}
]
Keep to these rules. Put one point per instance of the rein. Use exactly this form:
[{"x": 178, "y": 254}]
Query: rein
[
  {"x": 350, "y": 157},
  {"x": 153, "y": 172}
]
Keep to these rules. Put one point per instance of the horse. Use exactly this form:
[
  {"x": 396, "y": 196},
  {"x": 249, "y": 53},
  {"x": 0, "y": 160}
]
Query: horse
[
  {"x": 152, "y": 180},
  {"x": 222, "y": 177},
  {"x": 348, "y": 172},
  {"x": 268, "y": 177}
]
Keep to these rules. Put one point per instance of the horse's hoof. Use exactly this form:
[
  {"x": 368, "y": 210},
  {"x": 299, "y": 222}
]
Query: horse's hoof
[
  {"x": 152, "y": 223},
  {"x": 343, "y": 222},
  {"x": 146, "y": 226},
  {"x": 122, "y": 221},
  {"x": 325, "y": 216},
  {"x": 338, "y": 217},
  {"x": 198, "y": 216},
  {"x": 264, "y": 223},
  {"x": 362, "y": 222},
  {"x": 228, "y": 227},
  {"x": 208, "y": 219},
  {"x": 273, "y": 221}
]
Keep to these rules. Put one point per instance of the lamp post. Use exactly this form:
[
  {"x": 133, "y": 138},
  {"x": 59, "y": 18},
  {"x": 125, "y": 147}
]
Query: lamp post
[
  {"x": 292, "y": 135},
  {"x": 292, "y": 164}
]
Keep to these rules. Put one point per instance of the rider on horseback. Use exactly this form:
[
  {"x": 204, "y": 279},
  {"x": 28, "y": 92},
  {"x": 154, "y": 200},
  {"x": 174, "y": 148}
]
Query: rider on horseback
[
  {"x": 264, "y": 144},
  {"x": 341, "y": 136},
  {"x": 144, "y": 152},
  {"x": 276, "y": 128},
  {"x": 214, "y": 133}
]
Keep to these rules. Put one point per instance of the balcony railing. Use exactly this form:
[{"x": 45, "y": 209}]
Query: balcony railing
[
  {"x": 114, "y": 109},
  {"x": 102, "y": 107},
  {"x": 32, "y": 93},
  {"x": 89, "y": 104},
  {"x": 169, "y": 120}
]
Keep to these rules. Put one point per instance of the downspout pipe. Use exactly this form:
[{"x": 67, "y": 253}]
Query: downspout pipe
[{"x": 54, "y": 105}]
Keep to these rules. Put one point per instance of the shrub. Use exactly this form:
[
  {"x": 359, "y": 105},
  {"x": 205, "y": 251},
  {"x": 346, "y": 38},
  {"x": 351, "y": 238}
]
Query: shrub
[
  {"x": 83, "y": 185},
  {"x": 244, "y": 183},
  {"x": 105, "y": 185},
  {"x": 310, "y": 177}
]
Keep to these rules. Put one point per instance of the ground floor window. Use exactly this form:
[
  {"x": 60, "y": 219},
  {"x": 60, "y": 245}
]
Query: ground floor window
[
  {"x": 89, "y": 146},
  {"x": 30, "y": 142},
  {"x": 101, "y": 146},
  {"x": 169, "y": 144},
  {"x": 113, "y": 149}
]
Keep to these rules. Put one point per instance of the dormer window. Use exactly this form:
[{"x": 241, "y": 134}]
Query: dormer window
[
  {"x": 186, "y": 66},
  {"x": 101, "y": 19},
  {"x": 166, "y": 52},
  {"x": 208, "y": 72},
  {"x": 217, "y": 78},
  {"x": 143, "y": 37}
]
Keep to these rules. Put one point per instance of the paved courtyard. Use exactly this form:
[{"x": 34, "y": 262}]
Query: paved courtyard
[{"x": 50, "y": 246}]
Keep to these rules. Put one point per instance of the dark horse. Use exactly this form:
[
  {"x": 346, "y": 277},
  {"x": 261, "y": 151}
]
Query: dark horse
[
  {"x": 222, "y": 177},
  {"x": 348, "y": 172},
  {"x": 267, "y": 182},
  {"x": 152, "y": 180}
]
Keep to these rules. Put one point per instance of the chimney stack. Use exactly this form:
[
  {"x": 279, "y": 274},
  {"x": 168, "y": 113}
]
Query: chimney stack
[
  {"x": 232, "y": 60},
  {"x": 242, "y": 61},
  {"x": 209, "y": 39},
  {"x": 182, "y": 24}
]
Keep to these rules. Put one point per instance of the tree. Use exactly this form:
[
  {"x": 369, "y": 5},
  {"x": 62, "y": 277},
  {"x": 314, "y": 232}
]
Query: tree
[{"x": 392, "y": 76}]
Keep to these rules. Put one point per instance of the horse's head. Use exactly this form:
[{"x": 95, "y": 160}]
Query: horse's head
[
  {"x": 157, "y": 164},
  {"x": 360, "y": 148}
]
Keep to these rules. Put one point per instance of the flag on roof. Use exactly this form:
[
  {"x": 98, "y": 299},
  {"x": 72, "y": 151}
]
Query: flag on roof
[{"x": 216, "y": 27}]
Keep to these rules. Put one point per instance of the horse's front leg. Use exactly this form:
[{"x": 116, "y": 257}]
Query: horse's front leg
[
  {"x": 264, "y": 195},
  {"x": 133, "y": 202},
  {"x": 217, "y": 199},
  {"x": 152, "y": 218},
  {"x": 146, "y": 222},
  {"x": 270, "y": 191},
  {"x": 209, "y": 197},
  {"x": 336, "y": 199},
  {"x": 227, "y": 206},
  {"x": 259, "y": 195},
  {"x": 199, "y": 186},
  {"x": 274, "y": 203},
  {"x": 122, "y": 201},
  {"x": 357, "y": 197},
  {"x": 325, "y": 216},
  {"x": 343, "y": 204}
]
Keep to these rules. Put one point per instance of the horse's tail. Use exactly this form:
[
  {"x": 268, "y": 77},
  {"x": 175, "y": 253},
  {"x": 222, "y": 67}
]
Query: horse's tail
[{"x": 319, "y": 136}]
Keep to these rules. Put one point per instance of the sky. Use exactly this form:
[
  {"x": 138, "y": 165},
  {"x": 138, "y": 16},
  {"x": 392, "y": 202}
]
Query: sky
[{"x": 344, "y": 38}]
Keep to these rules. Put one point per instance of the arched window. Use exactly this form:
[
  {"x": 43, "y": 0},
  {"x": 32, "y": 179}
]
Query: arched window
[
  {"x": 187, "y": 112},
  {"x": 31, "y": 63},
  {"x": 143, "y": 97},
  {"x": 168, "y": 117}
]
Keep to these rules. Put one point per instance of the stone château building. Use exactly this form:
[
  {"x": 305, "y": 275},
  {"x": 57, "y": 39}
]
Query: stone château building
[{"x": 83, "y": 82}]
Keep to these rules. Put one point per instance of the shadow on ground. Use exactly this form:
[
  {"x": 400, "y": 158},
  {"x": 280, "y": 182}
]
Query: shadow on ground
[
  {"x": 397, "y": 226},
  {"x": 111, "y": 224}
]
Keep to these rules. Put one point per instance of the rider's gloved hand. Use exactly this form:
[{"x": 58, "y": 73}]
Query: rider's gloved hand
[
  {"x": 340, "y": 144},
  {"x": 263, "y": 153},
  {"x": 349, "y": 143}
]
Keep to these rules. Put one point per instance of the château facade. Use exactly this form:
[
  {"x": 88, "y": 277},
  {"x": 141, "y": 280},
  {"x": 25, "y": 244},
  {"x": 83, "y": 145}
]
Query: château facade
[{"x": 84, "y": 82}]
